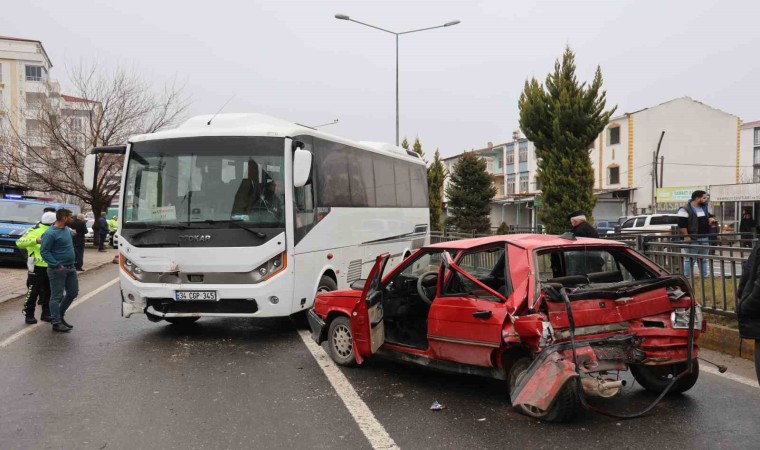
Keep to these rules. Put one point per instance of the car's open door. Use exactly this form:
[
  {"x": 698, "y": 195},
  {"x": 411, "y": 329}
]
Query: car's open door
[{"x": 367, "y": 316}]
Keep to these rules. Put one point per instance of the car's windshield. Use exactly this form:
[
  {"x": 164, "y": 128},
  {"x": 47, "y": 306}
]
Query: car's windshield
[
  {"x": 20, "y": 212},
  {"x": 206, "y": 180}
]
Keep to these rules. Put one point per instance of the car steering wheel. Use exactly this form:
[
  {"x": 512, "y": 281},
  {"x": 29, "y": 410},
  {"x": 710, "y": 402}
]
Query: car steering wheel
[{"x": 421, "y": 289}]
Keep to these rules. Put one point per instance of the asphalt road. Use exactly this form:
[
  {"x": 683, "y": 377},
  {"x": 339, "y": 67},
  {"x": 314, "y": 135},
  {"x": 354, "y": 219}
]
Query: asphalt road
[{"x": 127, "y": 383}]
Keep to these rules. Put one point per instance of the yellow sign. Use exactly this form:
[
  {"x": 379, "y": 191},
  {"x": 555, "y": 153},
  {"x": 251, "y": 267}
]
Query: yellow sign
[{"x": 677, "y": 194}]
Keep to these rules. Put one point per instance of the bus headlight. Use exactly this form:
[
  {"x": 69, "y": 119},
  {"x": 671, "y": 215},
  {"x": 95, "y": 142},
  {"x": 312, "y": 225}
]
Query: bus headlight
[
  {"x": 129, "y": 267},
  {"x": 680, "y": 318},
  {"x": 270, "y": 268}
]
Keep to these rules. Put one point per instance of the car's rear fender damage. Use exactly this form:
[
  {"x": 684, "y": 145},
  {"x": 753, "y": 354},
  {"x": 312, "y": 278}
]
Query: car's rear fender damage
[{"x": 553, "y": 367}]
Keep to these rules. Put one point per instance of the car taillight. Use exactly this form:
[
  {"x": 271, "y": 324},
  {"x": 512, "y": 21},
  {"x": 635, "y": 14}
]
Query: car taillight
[{"x": 680, "y": 318}]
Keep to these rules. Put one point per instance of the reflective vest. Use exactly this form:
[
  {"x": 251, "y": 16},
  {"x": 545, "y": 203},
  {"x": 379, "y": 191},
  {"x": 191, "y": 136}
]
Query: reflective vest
[{"x": 28, "y": 241}]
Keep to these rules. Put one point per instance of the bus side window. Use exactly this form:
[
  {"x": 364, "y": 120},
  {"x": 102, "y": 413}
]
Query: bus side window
[{"x": 304, "y": 197}]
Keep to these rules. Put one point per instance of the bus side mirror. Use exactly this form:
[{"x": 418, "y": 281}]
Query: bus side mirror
[
  {"x": 88, "y": 175},
  {"x": 301, "y": 167}
]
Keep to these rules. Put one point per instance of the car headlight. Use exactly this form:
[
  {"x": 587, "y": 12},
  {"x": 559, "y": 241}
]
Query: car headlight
[
  {"x": 270, "y": 268},
  {"x": 129, "y": 267},
  {"x": 680, "y": 318}
]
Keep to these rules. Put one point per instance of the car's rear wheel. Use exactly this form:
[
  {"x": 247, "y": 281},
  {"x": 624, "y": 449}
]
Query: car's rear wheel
[
  {"x": 562, "y": 409},
  {"x": 340, "y": 342},
  {"x": 181, "y": 321},
  {"x": 656, "y": 378}
]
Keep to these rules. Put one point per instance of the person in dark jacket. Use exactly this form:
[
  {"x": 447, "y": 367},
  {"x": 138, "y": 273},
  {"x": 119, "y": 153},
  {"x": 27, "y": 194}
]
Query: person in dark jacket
[
  {"x": 581, "y": 227},
  {"x": 103, "y": 230},
  {"x": 746, "y": 228},
  {"x": 748, "y": 306},
  {"x": 79, "y": 225}
]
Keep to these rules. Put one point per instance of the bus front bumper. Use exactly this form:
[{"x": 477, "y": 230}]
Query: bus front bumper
[{"x": 270, "y": 299}]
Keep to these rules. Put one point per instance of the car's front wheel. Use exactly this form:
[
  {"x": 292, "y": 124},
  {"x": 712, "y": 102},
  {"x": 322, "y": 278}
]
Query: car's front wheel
[
  {"x": 656, "y": 378},
  {"x": 340, "y": 342},
  {"x": 562, "y": 409}
]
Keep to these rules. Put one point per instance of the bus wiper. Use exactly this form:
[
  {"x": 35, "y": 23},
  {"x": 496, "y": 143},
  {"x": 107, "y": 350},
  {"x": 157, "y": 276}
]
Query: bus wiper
[
  {"x": 236, "y": 223},
  {"x": 158, "y": 227}
]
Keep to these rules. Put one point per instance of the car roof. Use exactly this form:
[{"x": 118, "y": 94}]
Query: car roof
[{"x": 527, "y": 241}]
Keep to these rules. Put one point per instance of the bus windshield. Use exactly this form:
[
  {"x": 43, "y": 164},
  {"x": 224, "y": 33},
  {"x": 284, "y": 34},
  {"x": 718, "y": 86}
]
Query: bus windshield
[
  {"x": 206, "y": 180},
  {"x": 20, "y": 212}
]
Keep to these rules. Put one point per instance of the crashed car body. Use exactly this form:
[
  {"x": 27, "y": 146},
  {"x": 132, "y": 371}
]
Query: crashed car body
[{"x": 525, "y": 309}]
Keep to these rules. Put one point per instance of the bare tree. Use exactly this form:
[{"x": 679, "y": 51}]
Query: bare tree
[{"x": 46, "y": 151}]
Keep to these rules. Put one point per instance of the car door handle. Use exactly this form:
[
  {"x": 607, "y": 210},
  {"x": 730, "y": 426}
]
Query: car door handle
[{"x": 483, "y": 314}]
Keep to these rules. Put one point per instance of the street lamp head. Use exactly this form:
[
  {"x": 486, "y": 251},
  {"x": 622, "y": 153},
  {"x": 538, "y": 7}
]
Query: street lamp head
[
  {"x": 342, "y": 17},
  {"x": 447, "y": 24}
]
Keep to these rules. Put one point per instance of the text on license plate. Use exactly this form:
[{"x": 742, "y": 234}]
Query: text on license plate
[
  {"x": 208, "y": 296},
  {"x": 6, "y": 250}
]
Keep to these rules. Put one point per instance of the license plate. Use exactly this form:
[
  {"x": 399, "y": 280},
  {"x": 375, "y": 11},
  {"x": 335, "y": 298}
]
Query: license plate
[
  {"x": 204, "y": 296},
  {"x": 6, "y": 250}
]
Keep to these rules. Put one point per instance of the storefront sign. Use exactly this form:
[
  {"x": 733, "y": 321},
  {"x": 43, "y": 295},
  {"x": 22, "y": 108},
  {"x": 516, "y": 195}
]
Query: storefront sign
[
  {"x": 677, "y": 194},
  {"x": 749, "y": 192}
]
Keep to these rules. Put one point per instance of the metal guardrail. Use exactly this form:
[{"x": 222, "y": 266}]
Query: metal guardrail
[{"x": 723, "y": 256}]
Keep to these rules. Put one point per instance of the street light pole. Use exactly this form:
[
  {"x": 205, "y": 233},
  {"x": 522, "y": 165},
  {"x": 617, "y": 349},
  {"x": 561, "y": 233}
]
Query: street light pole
[{"x": 397, "y": 34}]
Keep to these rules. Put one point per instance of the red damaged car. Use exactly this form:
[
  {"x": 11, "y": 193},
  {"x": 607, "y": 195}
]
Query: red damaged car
[{"x": 557, "y": 318}]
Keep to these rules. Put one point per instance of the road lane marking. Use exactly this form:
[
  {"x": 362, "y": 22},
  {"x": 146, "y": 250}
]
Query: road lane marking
[
  {"x": 372, "y": 429},
  {"x": 16, "y": 336},
  {"x": 731, "y": 376}
]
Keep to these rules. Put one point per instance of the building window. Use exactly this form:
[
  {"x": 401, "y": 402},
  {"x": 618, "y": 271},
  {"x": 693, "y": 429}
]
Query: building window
[
  {"x": 35, "y": 73},
  {"x": 524, "y": 183},
  {"x": 756, "y": 175},
  {"x": 1, "y": 73},
  {"x": 613, "y": 175},
  {"x": 756, "y": 157},
  {"x": 757, "y": 136},
  {"x": 538, "y": 183},
  {"x": 510, "y": 185},
  {"x": 523, "y": 154},
  {"x": 614, "y": 135},
  {"x": 510, "y": 156}
]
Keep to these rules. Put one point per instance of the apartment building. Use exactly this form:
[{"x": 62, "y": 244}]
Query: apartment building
[
  {"x": 750, "y": 152},
  {"x": 513, "y": 166},
  {"x": 700, "y": 146}
]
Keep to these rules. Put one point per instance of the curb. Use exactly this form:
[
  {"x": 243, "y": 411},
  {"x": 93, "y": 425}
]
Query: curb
[
  {"x": 726, "y": 340},
  {"x": 17, "y": 297}
]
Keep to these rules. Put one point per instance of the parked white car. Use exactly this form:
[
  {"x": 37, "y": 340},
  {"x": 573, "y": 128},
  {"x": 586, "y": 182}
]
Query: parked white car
[{"x": 651, "y": 222}]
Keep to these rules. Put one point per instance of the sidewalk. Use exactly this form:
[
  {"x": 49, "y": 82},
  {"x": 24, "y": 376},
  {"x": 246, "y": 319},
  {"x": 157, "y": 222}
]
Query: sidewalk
[{"x": 13, "y": 278}]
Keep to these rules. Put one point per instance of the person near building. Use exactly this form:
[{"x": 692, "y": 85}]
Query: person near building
[
  {"x": 694, "y": 225},
  {"x": 58, "y": 252},
  {"x": 748, "y": 304},
  {"x": 79, "y": 225},
  {"x": 102, "y": 232},
  {"x": 747, "y": 228},
  {"x": 581, "y": 227},
  {"x": 37, "y": 283}
]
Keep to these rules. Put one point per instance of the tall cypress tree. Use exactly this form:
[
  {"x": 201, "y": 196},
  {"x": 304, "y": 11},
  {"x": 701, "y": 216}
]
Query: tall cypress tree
[
  {"x": 562, "y": 118},
  {"x": 405, "y": 144},
  {"x": 417, "y": 147},
  {"x": 436, "y": 174},
  {"x": 470, "y": 192}
]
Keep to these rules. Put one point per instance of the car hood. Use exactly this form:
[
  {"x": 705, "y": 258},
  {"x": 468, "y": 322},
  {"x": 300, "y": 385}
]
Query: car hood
[{"x": 13, "y": 230}]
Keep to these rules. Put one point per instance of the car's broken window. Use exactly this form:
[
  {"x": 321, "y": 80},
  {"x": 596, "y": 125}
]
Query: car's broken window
[
  {"x": 488, "y": 266},
  {"x": 575, "y": 266}
]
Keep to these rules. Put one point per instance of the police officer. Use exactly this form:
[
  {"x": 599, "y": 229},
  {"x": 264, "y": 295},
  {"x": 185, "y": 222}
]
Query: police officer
[{"x": 37, "y": 283}]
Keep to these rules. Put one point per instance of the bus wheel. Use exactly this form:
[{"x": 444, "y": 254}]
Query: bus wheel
[
  {"x": 182, "y": 321},
  {"x": 326, "y": 284}
]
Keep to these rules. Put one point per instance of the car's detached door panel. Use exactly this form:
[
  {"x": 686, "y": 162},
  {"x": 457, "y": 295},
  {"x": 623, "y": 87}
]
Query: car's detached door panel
[
  {"x": 367, "y": 318},
  {"x": 465, "y": 321}
]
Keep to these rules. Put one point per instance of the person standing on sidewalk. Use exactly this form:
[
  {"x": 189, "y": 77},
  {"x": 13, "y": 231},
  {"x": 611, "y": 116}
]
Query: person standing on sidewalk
[
  {"x": 58, "y": 252},
  {"x": 80, "y": 228},
  {"x": 39, "y": 288},
  {"x": 748, "y": 304},
  {"x": 693, "y": 219},
  {"x": 103, "y": 231}
]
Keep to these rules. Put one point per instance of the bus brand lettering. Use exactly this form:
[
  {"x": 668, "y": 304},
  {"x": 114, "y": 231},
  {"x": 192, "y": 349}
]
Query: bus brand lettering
[{"x": 194, "y": 238}]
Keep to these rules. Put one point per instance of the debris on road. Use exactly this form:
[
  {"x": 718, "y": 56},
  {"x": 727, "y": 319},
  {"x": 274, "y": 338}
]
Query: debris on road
[{"x": 437, "y": 406}]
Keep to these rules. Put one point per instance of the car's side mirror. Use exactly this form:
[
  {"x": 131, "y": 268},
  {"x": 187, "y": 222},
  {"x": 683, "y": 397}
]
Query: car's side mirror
[
  {"x": 358, "y": 285},
  {"x": 301, "y": 167}
]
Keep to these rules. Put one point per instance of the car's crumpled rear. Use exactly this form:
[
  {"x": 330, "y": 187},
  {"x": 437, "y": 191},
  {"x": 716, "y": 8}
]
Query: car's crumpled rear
[{"x": 606, "y": 328}]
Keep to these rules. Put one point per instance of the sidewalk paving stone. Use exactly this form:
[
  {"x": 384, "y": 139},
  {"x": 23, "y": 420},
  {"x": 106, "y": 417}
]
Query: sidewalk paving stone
[{"x": 13, "y": 277}]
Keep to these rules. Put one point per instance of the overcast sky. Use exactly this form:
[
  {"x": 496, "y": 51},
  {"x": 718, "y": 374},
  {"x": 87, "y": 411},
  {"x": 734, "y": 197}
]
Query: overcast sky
[{"x": 459, "y": 85}]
